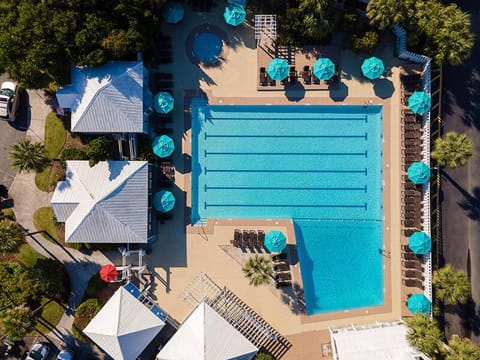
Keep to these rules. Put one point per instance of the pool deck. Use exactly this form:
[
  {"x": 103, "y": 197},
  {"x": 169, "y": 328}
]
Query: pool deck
[{"x": 183, "y": 251}]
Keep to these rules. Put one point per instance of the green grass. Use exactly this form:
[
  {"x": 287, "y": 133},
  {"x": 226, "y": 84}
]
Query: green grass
[
  {"x": 27, "y": 255},
  {"x": 43, "y": 221},
  {"x": 55, "y": 135},
  {"x": 51, "y": 314},
  {"x": 47, "y": 179}
]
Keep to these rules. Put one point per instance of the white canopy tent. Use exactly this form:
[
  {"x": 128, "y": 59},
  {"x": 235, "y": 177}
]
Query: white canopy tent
[
  {"x": 205, "y": 335},
  {"x": 124, "y": 326}
]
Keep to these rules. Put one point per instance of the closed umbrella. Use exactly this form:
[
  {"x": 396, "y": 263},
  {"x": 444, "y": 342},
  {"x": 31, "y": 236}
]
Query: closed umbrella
[
  {"x": 418, "y": 303},
  {"x": 108, "y": 273},
  {"x": 373, "y": 68},
  {"x": 234, "y": 14},
  {"x": 163, "y": 102},
  {"x": 323, "y": 69},
  {"x": 419, "y": 173},
  {"x": 420, "y": 243},
  {"x": 173, "y": 12},
  {"x": 419, "y": 102},
  {"x": 278, "y": 69},
  {"x": 163, "y": 146},
  {"x": 275, "y": 241},
  {"x": 164, "y": 201}
]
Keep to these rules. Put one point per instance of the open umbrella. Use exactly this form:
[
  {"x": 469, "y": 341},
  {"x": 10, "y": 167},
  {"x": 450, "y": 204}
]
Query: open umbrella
[
  {"x": 163, "y": 146},
  {"x": 164, "y": 201},
  {"x": 420, "y": 243},
  {"x": 173, "y": 12},
  {"x": 278, "y": 69},
  {"x": 418, "y": 303},
  {"x": 419, "y": 102},
  {"x": 163, "y": 102},
  {"x": 234, "y": 14},
  {"x": 108, "y": 273},
  {"x": 275, "y": 241},
  {"x": 419, "y": 173},
  {"x": 323, "y": 69},
  {"x": 372, "y": 68}
]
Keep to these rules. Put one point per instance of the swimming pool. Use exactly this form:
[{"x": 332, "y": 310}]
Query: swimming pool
[
  {"x": 207, "y": 47},
  {"x": 320, "y": 166}
]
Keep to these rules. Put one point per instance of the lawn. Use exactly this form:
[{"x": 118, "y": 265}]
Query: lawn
[
  {"x": 43, "y": 220},
  {"x": 55, "y": 135},
  {"x": 27, "y": 256},
  {"x": 47, "y": 179},
  {"x": 51, "y": 314}
]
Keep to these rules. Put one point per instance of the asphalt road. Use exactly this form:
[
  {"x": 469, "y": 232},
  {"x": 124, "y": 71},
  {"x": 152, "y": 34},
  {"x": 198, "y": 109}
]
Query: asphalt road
[{"x": 461, "y": 187}]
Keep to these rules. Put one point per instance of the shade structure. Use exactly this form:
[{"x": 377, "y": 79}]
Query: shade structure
[
  {"x": 419, "y": 173},
  {"x": 419, "y": 102},
  {"x": 234, "y": 14},
  {"x": 163, "y": 102},
  {"x": 108, "y": 273},
  {"x": 372, "y": 68},
  {"x": 420, "y": 243},
  {"x": 163, "y": 146},
  {"x": 173, "y": 12},
  {"x": 275, "y": 241},
  {"x": 164, "y": 201},
  {"x": 278, "y": 69},
  {"x": 418, "y": 303},
  {"x": 324, "y": 69}
]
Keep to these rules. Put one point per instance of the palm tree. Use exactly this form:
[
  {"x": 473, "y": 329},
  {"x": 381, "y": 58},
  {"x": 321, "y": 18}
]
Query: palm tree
[
  {"x": 11, "y": 235},
  {"x": 385, "y": 13},
  {"x": 28, "y": 156},
  {"x": 424, "y": 334},
  {"x": 451, "y": 286},
  {"x": 18, "y": 322},
  {"x": 462, "y": 349},
  {"x": 453, "y": 150},
  {"x": 258, "y": 270}
]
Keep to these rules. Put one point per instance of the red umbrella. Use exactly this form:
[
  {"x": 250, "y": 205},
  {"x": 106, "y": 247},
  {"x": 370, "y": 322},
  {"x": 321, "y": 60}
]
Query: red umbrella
[{"x": 108, "y": 273}]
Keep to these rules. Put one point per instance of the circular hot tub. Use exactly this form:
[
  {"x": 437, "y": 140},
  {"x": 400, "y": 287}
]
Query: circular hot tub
[{"x": 207, "y": 45}]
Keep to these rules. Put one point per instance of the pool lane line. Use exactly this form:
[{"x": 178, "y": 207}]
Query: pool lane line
[
  {"x": 206, "y": 188},
  {"x": 294, "y": 171},
  {"x": 221, "y": 136},
  {"x": 365, "y": 153},
  {"x": 209, "y": 118},
  {"x": 364, "y": 206}
]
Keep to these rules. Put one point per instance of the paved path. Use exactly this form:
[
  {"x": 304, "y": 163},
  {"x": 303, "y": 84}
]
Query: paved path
[{"x": 461, "y": 187}]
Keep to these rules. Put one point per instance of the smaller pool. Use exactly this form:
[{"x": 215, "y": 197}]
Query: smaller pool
[{"x": 207, "y": 47}]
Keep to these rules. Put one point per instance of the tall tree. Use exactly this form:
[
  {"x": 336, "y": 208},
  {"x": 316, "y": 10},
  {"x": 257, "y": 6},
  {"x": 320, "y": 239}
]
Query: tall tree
[
  {"x": 11, "y": 235},
  {"x": 18, "y": 322},
  {"x": 423, "y": 334},
  {"x": 386, "y": 13},
  {"x": 453, "y": 149},
  {"x": 16, "y": 287},
  {"x": 258, "y": 270},
  {"x": 462, "y": 349},
  {"x": 451, "y": 286},
  {"x": 52, "y": 279},
  {"x": 28, "y": 156}
]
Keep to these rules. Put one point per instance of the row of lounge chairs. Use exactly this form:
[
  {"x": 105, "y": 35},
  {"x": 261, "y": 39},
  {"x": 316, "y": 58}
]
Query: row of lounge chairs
[
  {"x": 162, "y": 54},
  {"x": 248, "y": 238},
  {"x": 160, "y": 81},
  {"x": 283, "y": 276},
  {"x": 306, "y": 75},
  {"x": 412, "y": 272}
]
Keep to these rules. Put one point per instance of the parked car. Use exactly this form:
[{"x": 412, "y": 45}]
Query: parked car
[
  {"x": 39, "y": 351},
  {"x": 9, "y": 100},
  {"x": 66, "y": 354}
]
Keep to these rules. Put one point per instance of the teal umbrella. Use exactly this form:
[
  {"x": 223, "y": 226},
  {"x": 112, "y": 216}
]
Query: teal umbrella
[
  {"x": 234, "y": 14},
  {"x": 173, "y": 12},
  {"x": 373, "y": 68},
  {"x": 163, "y": 102},
  {"x": 323, "y": 69},
  {"x": 419, "y": 102},
  {"x": 275, "y": 241},
  {"x": 163, "y": 146},
  {"x": 419, "y": 173},
  {"x": 418, "y": 303},
  {"x": 278, "y": 69},
  {"x": 420, "y": 243},
  {"x": 164, "y": 201}
]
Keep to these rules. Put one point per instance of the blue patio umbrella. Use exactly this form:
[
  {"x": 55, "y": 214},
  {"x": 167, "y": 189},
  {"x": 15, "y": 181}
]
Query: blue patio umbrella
[
  {"x": 420, "y": 243},
  {"x": 163, "y": 102},
  {"x": 323, "y": 69},
  {"x": 418, "y": 303},
  {"x": 173, "y": 12},
  {"x": 163, "y": 146},
  {"x": 419, "y": 172},
  {"x": 234, "y": 14},
  {"x": 419, "y": 102},
  {"x": 278, "y": 69},
  {"x": 373, "y": 68},
  {"x": 275, "y": 241},
  {"x": 164, "y": 201}
]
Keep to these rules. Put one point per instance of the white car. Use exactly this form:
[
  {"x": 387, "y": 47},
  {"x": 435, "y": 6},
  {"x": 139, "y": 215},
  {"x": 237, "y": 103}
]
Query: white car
[
  {"x": 8, "y": 94},
  {"x": 39, "y": 351}
]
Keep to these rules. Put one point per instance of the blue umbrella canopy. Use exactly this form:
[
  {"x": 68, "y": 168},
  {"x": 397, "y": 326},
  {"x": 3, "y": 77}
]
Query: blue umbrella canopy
[
  {"x": 324, "y": 69},
  {"x": 163, "y": 102},
  {"x": 419, "y": 102},
  {"x": 164, "y": 201},
  {"x": 278, "y": 69},
  {"x": 419, "y": 173},
  {"x": 163, "y": 146},
  {"x": 420, "y": 243},
  {"x": 373, "y": 68},
  {"x": 275, "y": 241},
  {"x": 173, "y": 12},
  {"x": 234, "y": 14},
  {"x": 418, "y": 303}
]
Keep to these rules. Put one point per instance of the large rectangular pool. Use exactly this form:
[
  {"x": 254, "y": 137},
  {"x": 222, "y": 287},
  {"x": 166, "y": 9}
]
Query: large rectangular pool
[{"x": 318, "y": 165}]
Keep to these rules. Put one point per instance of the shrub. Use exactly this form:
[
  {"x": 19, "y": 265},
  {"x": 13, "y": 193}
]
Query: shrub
[
  {"x": 86, "y": 311},
  {"x": 368, "y": 42},
  {"x": 264, "y": 356},
  {"x": 99, "y": 149},
  {"x": 18, "y": 322},
  {"x": 350, "y": 21},
  {"x": 73, "y": 153}
]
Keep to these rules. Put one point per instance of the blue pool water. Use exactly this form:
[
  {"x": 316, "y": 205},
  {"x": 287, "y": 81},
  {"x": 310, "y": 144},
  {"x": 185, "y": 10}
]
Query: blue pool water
[
  {"x": 207, "y": 47},
  {"x": 320, "y": 166}
]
